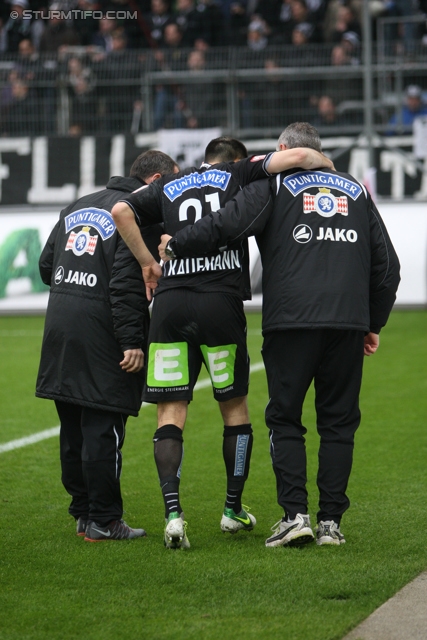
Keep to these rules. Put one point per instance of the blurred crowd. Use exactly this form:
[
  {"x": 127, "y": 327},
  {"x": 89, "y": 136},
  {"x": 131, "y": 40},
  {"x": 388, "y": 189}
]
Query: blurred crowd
[
  {"x": 96, "y": 50},
  {"x": 194, "y": 23}
]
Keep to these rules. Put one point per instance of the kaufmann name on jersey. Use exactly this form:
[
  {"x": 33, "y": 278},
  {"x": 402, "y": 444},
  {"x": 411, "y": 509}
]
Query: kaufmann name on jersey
[{"x": 226, "y": 260}]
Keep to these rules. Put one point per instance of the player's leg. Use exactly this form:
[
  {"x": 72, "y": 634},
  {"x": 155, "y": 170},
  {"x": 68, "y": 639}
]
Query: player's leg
[
  {"x": 70, "y": 445},
  {"x": 168, "y": 455},
  {"x": 223, "y": 335},
  {"x": 236, "y": 449},
  {"x": 172, "y": 371},
  {"x": 337, "y": 385}
]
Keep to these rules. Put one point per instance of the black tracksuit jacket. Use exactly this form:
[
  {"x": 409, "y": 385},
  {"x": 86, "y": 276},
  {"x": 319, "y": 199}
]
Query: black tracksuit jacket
[
  {"x": 328, "y": 261},
  {"x": 97, "y": 307}
]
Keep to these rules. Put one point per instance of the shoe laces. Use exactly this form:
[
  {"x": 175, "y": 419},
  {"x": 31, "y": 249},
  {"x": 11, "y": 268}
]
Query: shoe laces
[
  {"x": 246, "y": 508},
  {"x": 275, "y": 528}
]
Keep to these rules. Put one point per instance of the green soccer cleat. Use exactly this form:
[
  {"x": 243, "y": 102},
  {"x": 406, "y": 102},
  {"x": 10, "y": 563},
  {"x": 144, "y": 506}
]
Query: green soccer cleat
[{"x": 233, "y": 522}]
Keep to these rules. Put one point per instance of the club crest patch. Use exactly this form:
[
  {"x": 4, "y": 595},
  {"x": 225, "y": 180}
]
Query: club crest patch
[
  {"x": 81, "y": 242},
  {"x": 325, "y": 203}
]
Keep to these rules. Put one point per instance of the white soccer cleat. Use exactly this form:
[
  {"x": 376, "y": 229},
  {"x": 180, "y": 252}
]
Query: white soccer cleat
[{"x": 176, "y": 532}]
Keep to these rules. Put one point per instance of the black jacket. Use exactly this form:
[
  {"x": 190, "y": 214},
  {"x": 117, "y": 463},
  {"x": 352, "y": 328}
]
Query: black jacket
[
  {"x": 97, "y": 307},
  {"x": 327, "y": 258}
]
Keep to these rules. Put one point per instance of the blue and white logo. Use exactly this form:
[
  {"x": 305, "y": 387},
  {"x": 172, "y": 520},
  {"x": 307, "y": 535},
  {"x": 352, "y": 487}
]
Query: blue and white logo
[
  {"x": 99, "y": 219},
  {"x": 297, "y": 182},
  {"x": 209, "y": 178}
]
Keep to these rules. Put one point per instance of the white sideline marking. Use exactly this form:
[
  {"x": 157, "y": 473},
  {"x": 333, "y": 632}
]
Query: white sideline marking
[{"x": 54, "y": 431}]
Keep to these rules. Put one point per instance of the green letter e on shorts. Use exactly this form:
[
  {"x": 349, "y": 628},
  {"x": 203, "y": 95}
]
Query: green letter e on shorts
[
  {"x": 168, "y": 364},
  {"x": 220, "y": 364}
]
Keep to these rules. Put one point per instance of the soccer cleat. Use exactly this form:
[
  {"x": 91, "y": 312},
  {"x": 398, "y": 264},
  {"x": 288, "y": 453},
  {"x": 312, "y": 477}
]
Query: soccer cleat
[
  {"x": 116, "y": 530},
  {"x": 328, "y": 532},
  {"x": 176, "y": 532},
  {"x": 233, "y": 522},
  {"x": 81, "y": 524},
  {"x": 291, "y": 534}
]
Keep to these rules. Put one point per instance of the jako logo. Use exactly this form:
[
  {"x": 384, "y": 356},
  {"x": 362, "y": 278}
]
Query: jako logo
[
  {"x": 302, "y": 233},
  {"x": 340, "y": 235},
  {"x": 79, "y": 277},
  {"x": 59, "y": 275}
]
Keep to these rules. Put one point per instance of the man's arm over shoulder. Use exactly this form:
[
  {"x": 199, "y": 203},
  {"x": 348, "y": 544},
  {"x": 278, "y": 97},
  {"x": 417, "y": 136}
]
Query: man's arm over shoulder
[
  {"x": 46, "y": 256},
  {"x": 243, "y": 216},
  {"x": 385, "y": 271}
]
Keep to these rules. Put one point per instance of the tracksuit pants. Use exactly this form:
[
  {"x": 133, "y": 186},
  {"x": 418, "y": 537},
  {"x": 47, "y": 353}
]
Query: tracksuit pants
[
  {"x": 91, "y": 460},
  {"x": 333, "y": 359}
]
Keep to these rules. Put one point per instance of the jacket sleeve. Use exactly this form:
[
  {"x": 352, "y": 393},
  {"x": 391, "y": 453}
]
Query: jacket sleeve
[
  {"x": 129, "y": 305},
  {"x": 243, "y": 216},
  {"x": 385, "y": 271},
  {"x": 46, "y": 256}
]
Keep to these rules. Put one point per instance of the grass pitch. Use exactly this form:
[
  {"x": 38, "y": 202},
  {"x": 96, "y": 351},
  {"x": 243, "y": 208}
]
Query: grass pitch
[{"x": 55, "y": 585}]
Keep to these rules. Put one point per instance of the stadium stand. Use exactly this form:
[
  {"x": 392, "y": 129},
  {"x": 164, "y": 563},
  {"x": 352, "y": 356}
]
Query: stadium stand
[{"x": 102, "y": 67}]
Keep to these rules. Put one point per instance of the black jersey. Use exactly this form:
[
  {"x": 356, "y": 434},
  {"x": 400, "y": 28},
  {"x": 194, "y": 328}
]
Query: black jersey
[{"x": 180, "y": 200}]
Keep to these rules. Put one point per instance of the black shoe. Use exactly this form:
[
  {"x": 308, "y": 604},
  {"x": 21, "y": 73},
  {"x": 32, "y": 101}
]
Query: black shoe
[
  {"x": 116, "y": 530},
  {"x": 81, "y": 524}
]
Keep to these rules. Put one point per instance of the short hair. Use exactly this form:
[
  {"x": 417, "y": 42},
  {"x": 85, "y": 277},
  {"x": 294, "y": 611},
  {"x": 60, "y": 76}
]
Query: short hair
[
  {"x": 300, "y": 134},
  {"x": 225, "y": 149},
  {"x": 151, "y": 162}
]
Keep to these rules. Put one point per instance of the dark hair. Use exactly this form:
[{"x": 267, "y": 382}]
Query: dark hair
[
  {"x": 225, "y": 149},
  {"x": 151, "y": 162},
  {"x": 300, "y": 134}
]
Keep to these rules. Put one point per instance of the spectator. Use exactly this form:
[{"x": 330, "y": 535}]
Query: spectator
[
  {"x": 119, "y": 77},
  {"x": 345, "y": 21},
  {"x": 257, "y": 34},
  {"x": 85, "y": 24},
  {"x": 212, "y": 23},
  {"x": 237, "y": 24},
  {"x": 353, "y": 90},
  {"x": 20, "y": 117},
  {"x": 28, "y": 60},
  {"x": 189, "y": 21},
  {"x": 270, "y": 107},
  {"x": 196, "y": 107},
  {"x": 3, "y": 36},
  {"x": 57, "y": 34},
  {"x": 17, "y": 29},
  {"x": 299, "y": 14},
  {"x": 412, "y": 108},
  {"x": 103, "y": 38},
  {"x": 157, "y": 19},
  {"x": 172, "y": 36},
  {"x": 327, "y": 115},
  {"x": 81, "y": 85},
  {"x": 302, "y": 33}
]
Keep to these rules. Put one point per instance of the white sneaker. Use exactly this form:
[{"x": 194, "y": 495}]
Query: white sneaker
[
  {"x": 291, "y": 534},
  {"x": 233, "y": 522},
  {"x": 176, "y": 532},
  {"x": 328, "y": 532}
]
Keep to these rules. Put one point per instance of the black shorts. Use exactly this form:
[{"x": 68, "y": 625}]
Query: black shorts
[{"x": 187, "y": 329}]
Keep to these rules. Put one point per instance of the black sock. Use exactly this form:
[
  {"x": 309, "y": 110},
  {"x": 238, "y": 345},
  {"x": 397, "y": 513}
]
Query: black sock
[
  {"x": 168, "y": 453},
  {"x": 236, "y": 449}
]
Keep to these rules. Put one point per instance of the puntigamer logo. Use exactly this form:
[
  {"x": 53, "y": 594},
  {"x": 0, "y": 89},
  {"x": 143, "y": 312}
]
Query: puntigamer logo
[
  {"x": 297, "y": 182},
  {"x": 210, "y": 178},
  {"x": 99, "y": 219}
]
